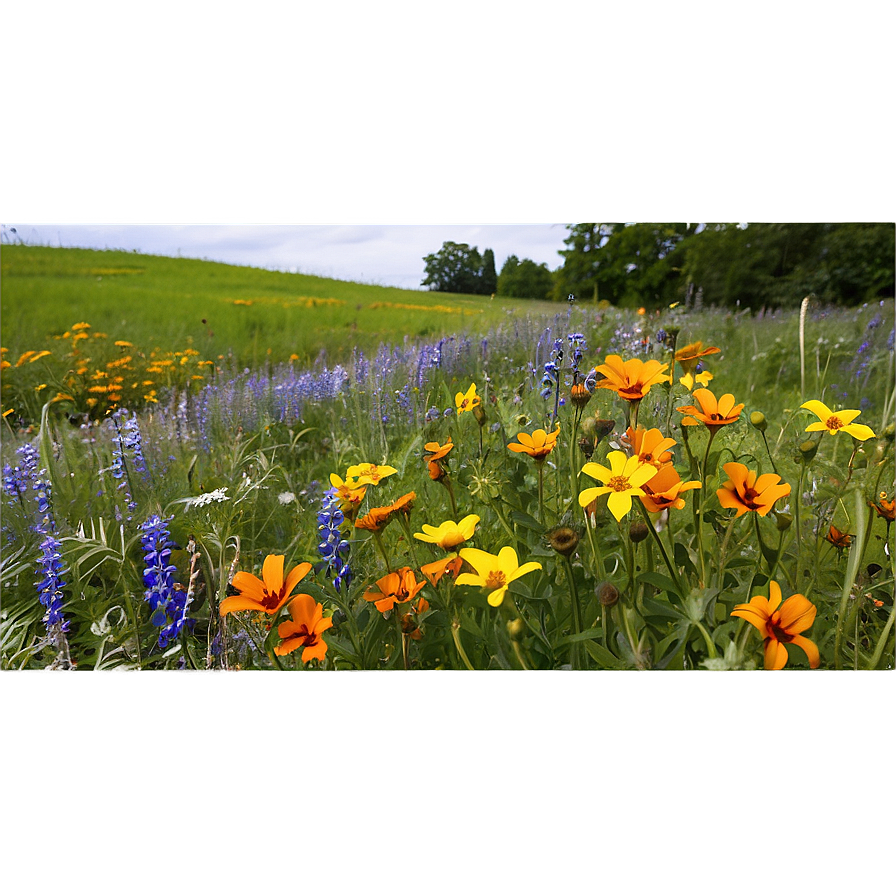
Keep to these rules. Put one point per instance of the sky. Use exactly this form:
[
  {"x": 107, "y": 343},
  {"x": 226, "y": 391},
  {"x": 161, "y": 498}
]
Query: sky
[{"x": 386, "y": 254}]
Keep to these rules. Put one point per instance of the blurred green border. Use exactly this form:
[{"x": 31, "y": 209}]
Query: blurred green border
[{"x": 612, "y": 783}]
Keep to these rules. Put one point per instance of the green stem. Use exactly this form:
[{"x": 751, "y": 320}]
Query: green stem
[
  {"x": 575, "y": 652},
  {"x": 860, "y": 542},
  {"x": 882, "y": 641},
  {"x": 723, "y": 553},
  {"x": 378, "y": 538},
  {"x": 540, "y": 465},
  {"x": 710, "y": 646},
  {"x": 455, "y": 633},
  {"x": 599, "y": 570},
  {"x": 698, "y": 516},
  {"x": 673, "y": 572},
  {"x": 447, "y": 483}
]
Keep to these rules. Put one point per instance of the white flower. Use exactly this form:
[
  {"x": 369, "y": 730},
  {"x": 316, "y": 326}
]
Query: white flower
[
  {"x": 286, "y": 497},
  {"x": 209, "y": 497}
]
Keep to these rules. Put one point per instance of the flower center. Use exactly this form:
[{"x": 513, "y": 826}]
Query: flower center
[
  {"x": 496, "y": 579},
  {"x": 749, "y": 495},
  {"x": 619, "y": 484},
  {"x": 270, "y": 600},
  {"x": 834, "y": 423},
  {"x": 779, "y": 632}
]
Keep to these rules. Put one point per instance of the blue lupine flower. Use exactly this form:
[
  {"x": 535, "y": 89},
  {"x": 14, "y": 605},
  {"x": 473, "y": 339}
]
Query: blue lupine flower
[
  {"x": 51, "y": 567},
  {"x": 167, "y": 605},
  {"x": 331, "y": 545}
]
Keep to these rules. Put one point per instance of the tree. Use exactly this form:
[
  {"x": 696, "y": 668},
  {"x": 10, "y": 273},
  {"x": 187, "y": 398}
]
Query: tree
[
  {"x": 524, "y": 279},
  {"x": 458, "y": 268},
  {"x": 489, "y": 274}
]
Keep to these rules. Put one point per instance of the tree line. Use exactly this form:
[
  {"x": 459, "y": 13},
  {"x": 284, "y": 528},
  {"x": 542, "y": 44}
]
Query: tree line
[{"x": 652, "y": 265}]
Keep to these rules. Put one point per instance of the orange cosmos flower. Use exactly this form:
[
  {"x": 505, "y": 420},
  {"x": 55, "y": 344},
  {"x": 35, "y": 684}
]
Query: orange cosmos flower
[
  {"x": 268, "y": 594},
  {"x": 665, "y": 489},
  {"x": 435, "y": 571},
  {"x": 538, "y": 446},
  {"x": 468, "y": 401},
  {"x": 747, "y": 490},
  {"x": 838, "y": 539},
  {"x": 885, "y": 508},
  {"x": 434, "y": 453},
  {"x": 712, "y": 412},
  {"x": 632, "y": 379},
  {"x": 409, "y": 624},
  {"x": 781, "y": 624},
  {"x": 829, "y": 421},
  {"x": 650, "y": 446},
  {"x": 376, "y": 519},
  {"x": 304, "y": 629},
  {"x": 404, "y": 504},
  {"x": 689, "y": 356},
  {"x": 395, "y": 588}
]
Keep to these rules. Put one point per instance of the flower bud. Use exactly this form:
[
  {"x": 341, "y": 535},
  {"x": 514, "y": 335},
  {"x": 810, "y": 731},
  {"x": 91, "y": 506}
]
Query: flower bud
[
  {"x": 637, "y": 531},
  {"x": 889, "y": 432},
  {"x": 607, "y": 594},
  {"x": 603, "y": 428},
  {"x": 808, "y": 450},
  {"x": 783, "y": 521},
  {"x": 479, "y": 414},
  {"x": 757, "y": 418},
  {"x": 586, "y": 446},
  {"x": 579, "y": 395},
  {"x": 564, "y": 539},
  {"x": 516, "y": 628}
]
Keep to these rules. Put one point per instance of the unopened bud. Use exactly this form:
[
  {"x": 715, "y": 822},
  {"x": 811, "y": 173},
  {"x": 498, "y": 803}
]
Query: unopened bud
[
  {"x": 564, "y": 539},
  {"x": 603, "y": 428},
  {"x": 808, "y": 450},
  {"x": 637, "y": 531},
  {"x": 889, "y": 432},
  {"x": 783, "y": 521},
  {"x": 586, "y": 446},
  {"x": 479, "y": 414},
  {"x": 757, "y": 418},
  {"x": 607, "y": 594},
  {"x": 516, "y": 628},
  {"x": 579, "y": 395}
]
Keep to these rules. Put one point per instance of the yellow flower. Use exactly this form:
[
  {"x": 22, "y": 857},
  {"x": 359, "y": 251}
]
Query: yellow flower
[
  {"x": 81, "y": 326},
  {"x": 621, "y": 482},
  {"x": 538, "y": 446},
  {"x": 38, "y": 356},
  {"x": 366, "y": 474},
  {"x": 831, "y": 422},
  {"x": 689, "y": 379},
  {"x": 494, "y": 573},
  {"x": 468, "y": 401},
  {"x": 449, "y": 534}
]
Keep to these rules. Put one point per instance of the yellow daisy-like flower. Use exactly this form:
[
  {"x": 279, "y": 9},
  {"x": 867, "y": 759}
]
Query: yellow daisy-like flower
[
  {"x": 494, "y": 573},
  {"x": 829, "y": 421},
  {"x": 367, "y": 474},
  {"x": 622, "y": 482},
  {"x": 689, "y": 379},
  {"x": 630, "y": 379},
  {"x": 467, "y": 401},
  {"x": 538, "y": 446},
  {"x": 450, "y": 534}
]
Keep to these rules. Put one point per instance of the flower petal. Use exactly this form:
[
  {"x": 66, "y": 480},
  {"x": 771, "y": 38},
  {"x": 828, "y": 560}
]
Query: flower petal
[
  {"x": 295, "y": 575},
  {"x": 619, "y": 504},
  {"x": 797, "y": 614},
  {"x": 809, "y": 648},
  {"x": 821, "y": 410},
  {"x": 272, "y": 572},
  {"x": 239, "y": 602},
  {"x": 859, "y": 431},
  {"x": 775, "y": 654},
  {"x": 249, "y": 586}
]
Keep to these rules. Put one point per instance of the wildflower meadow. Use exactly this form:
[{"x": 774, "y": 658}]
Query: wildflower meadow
[{"x": 584, "y": 488}]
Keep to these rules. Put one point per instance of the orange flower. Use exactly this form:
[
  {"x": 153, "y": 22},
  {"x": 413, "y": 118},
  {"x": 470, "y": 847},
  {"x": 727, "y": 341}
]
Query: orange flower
[
  {"x": 395, "y": 588},
  {"x": 746, "y": 490},
  {"x": 409, "y": 624},
  {"x": 266, "y": 596},
  {"x": 885, "y": 508},
  {"x": 665, "y": 489},
  {"x": 375, "y": 519},
  {"x": 632, "y": 379},
  {"x": 434, "y": 572},
  {"x": 304, "y": 630},
  {"x": 838, "y": 539},
  {"x": 434, "y": 453},
  {"x": 714, "y": 413},
  {"x": 579, "y": 395},
  {"x": 689, "y": 355},
  {"x": 650, "y": 446},
  {"x": 538, "y": 446},
  {"x": 404, "y": 504},
  {"x": 781, "y": 624}
]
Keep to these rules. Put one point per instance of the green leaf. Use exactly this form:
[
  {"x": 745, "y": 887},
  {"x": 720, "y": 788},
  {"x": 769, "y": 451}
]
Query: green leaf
[
  {"x": 588, "y": 635},
  {"x": 603, "y": 657},
  {"x": 658, "y": 580},
  {"x": 526, "y": 521},
  {"x": 656, "y": 608}
]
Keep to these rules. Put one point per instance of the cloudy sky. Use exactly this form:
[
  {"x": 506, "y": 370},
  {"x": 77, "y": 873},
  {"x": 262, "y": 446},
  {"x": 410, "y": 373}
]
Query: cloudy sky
[{"x": 389, "y": 255}]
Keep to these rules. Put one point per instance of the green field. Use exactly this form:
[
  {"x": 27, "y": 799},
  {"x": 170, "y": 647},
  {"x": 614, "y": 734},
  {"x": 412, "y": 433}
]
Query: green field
[{"x": 258, "y": 315}]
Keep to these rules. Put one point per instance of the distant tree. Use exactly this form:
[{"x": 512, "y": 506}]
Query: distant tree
[
  {"x": 489, "y": 274},
  {"x": 578, "y": 275},
  {"x": 524, "y": 279},
  {"x": 459, "y": 268}
]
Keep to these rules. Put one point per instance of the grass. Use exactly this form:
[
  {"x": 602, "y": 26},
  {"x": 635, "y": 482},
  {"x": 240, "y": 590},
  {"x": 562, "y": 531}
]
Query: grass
[{"x": 258, "y": 315}]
